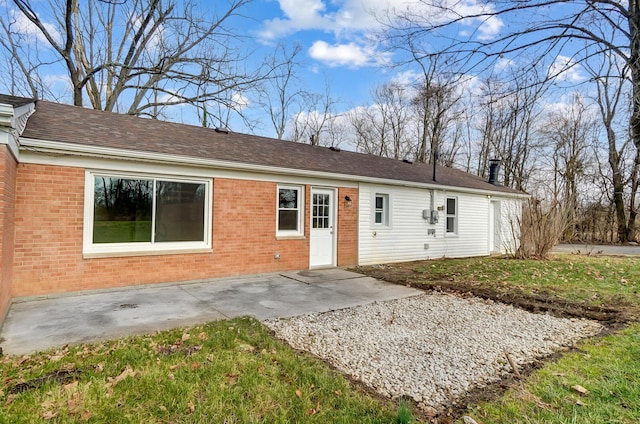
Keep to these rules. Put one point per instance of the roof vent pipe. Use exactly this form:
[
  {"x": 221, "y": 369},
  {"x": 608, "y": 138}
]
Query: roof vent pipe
[
  {"x": 435, "y": 160},
  {"x": 494, "y": 167}
]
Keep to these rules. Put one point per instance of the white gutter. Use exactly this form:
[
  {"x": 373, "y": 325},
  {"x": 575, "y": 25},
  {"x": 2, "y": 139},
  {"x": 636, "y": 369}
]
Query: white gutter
[
  {"x": 7, "y": 128},
  {"x": 63, "y": 148},
  {"x": 6, "y": 115}
]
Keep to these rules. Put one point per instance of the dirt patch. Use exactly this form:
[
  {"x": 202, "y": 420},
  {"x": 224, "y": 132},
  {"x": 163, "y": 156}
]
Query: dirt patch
[
  {"x": 615, "y": 315},
  {"x": 60, "y": 377},
  {"x": 173, "y": 349}
]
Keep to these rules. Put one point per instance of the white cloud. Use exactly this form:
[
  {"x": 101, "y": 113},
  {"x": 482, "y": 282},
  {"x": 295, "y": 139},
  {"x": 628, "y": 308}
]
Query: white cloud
[
  {"x": 22, "y": 25},
  {"x": 407, "y": 78},
  {"x": 298, "y": 15},
  {"x": 566, "y": 70},
  {"x": 351, "y": 54},
  {"x": 240, "y": 101},
  {"x": 351, "y": 20},
  {"x": 503, "y": 64},
  {"x": 337, "y": 16}
]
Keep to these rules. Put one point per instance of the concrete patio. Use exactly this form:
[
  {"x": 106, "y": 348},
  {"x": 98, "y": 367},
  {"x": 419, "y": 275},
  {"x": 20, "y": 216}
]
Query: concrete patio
[{"x": 38, "y": 324}]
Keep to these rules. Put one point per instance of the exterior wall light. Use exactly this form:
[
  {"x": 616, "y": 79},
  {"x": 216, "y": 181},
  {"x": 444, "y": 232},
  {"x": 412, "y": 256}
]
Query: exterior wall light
[{"x": 347, "y": 200}]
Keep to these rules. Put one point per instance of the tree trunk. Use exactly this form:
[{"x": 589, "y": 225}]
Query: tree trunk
[{"x": 634, "y": 65}]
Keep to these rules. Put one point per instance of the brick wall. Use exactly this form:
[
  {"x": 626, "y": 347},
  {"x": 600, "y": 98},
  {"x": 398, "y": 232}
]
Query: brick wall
[
  {"x": 48, "y": 244},
  {"x": 7, "y": 193},
  {"x": 347, "y": 227}
]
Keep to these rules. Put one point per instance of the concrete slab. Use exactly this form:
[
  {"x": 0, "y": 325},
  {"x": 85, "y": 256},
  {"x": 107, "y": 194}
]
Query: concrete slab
[{"x": 35, "y": 325}]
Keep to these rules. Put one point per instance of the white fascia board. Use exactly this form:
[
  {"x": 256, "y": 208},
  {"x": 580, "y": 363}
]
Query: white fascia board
[
  {"x": 6, "y": 115},
  {"x": 56, "y": 148},
  {"x": 7, "y": 129}
]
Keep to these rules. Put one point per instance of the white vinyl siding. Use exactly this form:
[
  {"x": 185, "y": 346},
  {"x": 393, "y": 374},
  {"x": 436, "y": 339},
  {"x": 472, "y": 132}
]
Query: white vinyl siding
[{"x": 406, "y": 239}]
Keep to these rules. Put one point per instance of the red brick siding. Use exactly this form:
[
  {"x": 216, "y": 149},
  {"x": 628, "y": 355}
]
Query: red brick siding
[
  {"x": 48, "y": 237},
  {"x": 347, "y": 227},
  {"x": 7, "y": 209}
]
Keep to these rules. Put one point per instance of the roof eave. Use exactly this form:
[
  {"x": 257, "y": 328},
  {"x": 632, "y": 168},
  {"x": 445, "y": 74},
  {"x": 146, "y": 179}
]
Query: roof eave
[{"x": 64, "y": 148}]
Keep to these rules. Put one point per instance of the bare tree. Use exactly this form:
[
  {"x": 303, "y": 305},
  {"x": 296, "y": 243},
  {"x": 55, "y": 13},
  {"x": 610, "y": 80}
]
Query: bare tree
[
  {"x": 610, "y": 100},
  {"x": 22, "y": 62},
  {"x": 488, "y": 115},
  {"x": 506, "y": 126},
  {"x": 281, "y": 93},
  {"x": 386, "y": 126},
  {"x": 365, "y": 131},
  {"x": 568, "y": 33},
  {"x": 391, "y": 105},
  {"x": 316, "y": 116},
  {"x": 434, "y": 102},
  {"x": 139, "y": 56},
  {"x": 569, "y": 132}
]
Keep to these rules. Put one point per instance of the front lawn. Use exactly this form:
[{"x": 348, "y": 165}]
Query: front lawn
[
  {"x": 221, "y": 372},
  {"x": 598, "y": 383}
]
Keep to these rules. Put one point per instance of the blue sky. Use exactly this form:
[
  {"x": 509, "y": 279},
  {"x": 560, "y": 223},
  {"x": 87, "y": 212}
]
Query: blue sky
[
  {"x": 339, "y": 50},
  {"x": 335, "y": 40},
  {"x": 338, "y": 41}
]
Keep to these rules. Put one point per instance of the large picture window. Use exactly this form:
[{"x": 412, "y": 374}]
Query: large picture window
[
  {"x": 134, "y": 213},
  {"x": 289, "y": 216}
]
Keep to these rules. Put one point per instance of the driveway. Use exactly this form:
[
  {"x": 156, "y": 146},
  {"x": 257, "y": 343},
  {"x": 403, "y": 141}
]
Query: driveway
[
  {"x": 38, "y": 324},
  {"x": 597, "y": 249}
]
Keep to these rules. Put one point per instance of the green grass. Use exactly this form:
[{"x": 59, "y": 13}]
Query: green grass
[
  {"x": 222, "y": 372},
  {"x": 121, "y": 231},
  {"x": 574, "y": 278},
  {"x": 608, "y": 367}
]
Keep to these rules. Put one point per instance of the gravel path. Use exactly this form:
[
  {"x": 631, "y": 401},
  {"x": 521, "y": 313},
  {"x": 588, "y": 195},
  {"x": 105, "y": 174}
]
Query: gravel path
[{"x": 433, "y": 348}]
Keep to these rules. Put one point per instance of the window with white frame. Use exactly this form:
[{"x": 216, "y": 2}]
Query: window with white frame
[
  {"x": 289, "y": 216},
  {"x": 140, "y": 213},
  {"x": 381, "y": 209},
  {"x": 452, "y": 215}
]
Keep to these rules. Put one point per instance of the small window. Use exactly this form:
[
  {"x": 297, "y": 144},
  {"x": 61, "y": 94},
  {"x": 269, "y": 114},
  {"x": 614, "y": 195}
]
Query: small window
[
  {"x": 452, "y": 215},
  {"x": 381, "y": 209},
  {"x": 289, "y": 215}
]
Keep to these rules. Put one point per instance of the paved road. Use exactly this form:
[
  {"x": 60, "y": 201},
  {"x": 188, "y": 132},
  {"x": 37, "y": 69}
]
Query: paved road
[{"x": 598, "y": 249}]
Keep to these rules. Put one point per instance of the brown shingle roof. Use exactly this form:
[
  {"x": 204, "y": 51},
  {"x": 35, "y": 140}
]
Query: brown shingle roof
[{"x": 76, "y": 125}]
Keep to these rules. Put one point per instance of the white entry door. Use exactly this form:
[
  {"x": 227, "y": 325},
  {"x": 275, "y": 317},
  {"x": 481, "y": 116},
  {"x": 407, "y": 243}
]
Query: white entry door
[
  {"x": 322, "y": 233},
  {"x": 495, "y": 229}
]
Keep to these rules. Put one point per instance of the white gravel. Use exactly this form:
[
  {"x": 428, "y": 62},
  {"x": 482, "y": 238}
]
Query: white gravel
[{"x": 433, "y": 348}]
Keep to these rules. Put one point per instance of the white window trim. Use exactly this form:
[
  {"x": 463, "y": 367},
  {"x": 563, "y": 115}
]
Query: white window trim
[
  {"x": 386, "y": 211},
  {"x": 455, "y": 217},
  {"x": 290, "y": 233},
  {"x": 100, "y": 250}
]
